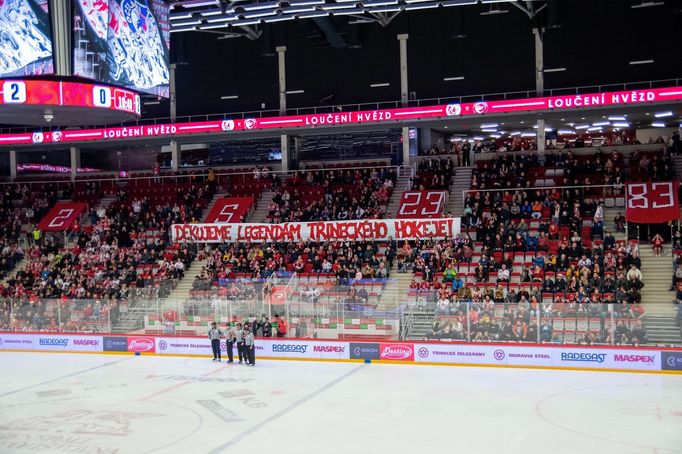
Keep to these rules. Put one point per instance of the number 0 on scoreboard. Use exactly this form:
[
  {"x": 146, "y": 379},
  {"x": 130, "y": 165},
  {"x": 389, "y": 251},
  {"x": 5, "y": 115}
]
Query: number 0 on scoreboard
[{"x": 101, "y": 96}]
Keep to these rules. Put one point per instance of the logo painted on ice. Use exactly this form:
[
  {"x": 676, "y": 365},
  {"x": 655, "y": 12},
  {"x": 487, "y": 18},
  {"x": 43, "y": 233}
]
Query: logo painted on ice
[
  {"x": 499, "y": 355},
  {"x": 481, "y": 107},
  {"x": 250, "y": 123},
  {"x": 227, "y": 125},
  {"x": 423, "y": 352},
  {"x": 453, "y": 109},
  {"x": 396, "y": 352}
]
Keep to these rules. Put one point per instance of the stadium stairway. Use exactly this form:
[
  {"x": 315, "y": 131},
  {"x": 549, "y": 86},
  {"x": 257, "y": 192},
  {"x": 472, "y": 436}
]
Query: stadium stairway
[
  {"x": 403, "y": 183},
  {"x": 181, "y": 291},
  {"x": 260, "y": 213},
  {"x": 395, "y": 292},
  {"x": 18, "y": 267},
  {"x": 609, "y": 226},
  {"x": 659, "y": 317},
  {"x": 461, "y": 182},
  {"x": 677, "y": 162},
  {"x": 133, "y": 319}
]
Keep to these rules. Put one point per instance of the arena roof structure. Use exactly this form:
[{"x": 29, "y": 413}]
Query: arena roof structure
[{"x": 453, "y": 48}]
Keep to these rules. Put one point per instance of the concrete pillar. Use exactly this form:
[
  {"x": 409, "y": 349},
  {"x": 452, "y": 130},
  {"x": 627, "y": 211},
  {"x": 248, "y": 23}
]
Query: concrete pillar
[
  {"x": 404, "y": 93},
  {"x": 13, "y": 164},
  {"x": 296, "y": 153},
  {"x": 539, "y": 63},
  {"x": 60, "y": 13},
  {"x": 539, "y": 84},
  {"x": 176, "y": 155},
  {"x": 75, "y": 161},
  {"x": 282, "y": 71},
  {"x": 406, "y": 145},
  {"x": 173, "y": 101},
  {"x": 284, "y": 139},
  {"x": 541, "y": 135}
]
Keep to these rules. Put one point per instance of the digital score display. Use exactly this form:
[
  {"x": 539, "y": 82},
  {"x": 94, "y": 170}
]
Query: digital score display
[{"x": 68, "y": 94}]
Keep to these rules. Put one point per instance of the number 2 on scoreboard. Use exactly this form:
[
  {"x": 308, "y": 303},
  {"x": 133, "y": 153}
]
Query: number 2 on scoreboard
[{"x": 14, "y": 92}]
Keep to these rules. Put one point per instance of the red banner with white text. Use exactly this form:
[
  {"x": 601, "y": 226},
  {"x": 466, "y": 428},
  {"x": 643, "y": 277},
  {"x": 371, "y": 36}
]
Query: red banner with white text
[
  {"x": 652, "y": 202},
  {"x": 230, "y": 209},
  {"x": 370, "y": 230},
  {"x": 62, "y": 217},
  {"x": 422, "y": 204}
]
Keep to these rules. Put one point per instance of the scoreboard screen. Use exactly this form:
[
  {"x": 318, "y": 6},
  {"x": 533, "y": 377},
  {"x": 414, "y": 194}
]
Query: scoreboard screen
[
  {"x": 123, "y": 42},
  {"x": 25, "y": 38}
]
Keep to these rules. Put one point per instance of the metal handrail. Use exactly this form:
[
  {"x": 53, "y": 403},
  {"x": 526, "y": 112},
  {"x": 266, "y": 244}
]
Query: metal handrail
[
  {"x": 378, "y": 105},
  {"x": 168, "y": 176},
  {"x": 543, "y": 188}
]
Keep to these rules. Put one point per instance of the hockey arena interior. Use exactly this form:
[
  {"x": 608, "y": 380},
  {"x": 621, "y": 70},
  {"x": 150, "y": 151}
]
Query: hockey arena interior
[{"x": 340, "y": 226}]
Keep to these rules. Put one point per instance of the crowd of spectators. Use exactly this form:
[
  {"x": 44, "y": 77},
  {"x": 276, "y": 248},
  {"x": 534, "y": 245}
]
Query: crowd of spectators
[
  {"x": 323, "y": 195},
  {"x": 346, "y": 261},
  {"x": 121, "y": 252},
  {"x": 529, "y": 254},
  {"x": 461, "y": 147},
  {"x": 520, "y": 171},
  {"x": 434, "y": 174}
]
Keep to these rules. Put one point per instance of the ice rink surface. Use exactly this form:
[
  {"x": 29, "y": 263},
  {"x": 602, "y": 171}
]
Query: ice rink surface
[{"x": 72, "y": 403}]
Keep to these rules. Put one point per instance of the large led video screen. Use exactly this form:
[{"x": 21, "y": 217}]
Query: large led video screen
[
  {"x": 123, "y": 42},
  {"x": 25, "y": 38}
]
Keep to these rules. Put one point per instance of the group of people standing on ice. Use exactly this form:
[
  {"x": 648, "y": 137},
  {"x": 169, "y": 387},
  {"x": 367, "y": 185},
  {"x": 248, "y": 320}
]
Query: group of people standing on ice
[{"x": 243, "y": 336}]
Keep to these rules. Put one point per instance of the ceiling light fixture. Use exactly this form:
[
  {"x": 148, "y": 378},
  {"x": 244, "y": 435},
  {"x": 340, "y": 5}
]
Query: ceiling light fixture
[{"x": 647, "y": 5}]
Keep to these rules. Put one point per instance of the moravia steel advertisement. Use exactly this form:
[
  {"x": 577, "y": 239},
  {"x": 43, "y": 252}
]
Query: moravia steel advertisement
[{"x": 516, "y": 355}]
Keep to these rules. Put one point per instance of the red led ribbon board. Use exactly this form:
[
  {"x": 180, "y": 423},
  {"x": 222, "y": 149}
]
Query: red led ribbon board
[
  {"x": 652, "y": 202},
  {"x": 380, "y": 116},
  {"x": 422, "y": 204},
  {"x": 230, "y": 209},
  {"x": 61, "y": 217}
]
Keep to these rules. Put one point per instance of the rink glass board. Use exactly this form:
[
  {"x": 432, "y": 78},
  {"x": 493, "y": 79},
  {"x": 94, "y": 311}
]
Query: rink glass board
[{"x": 497, "y": 354}]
